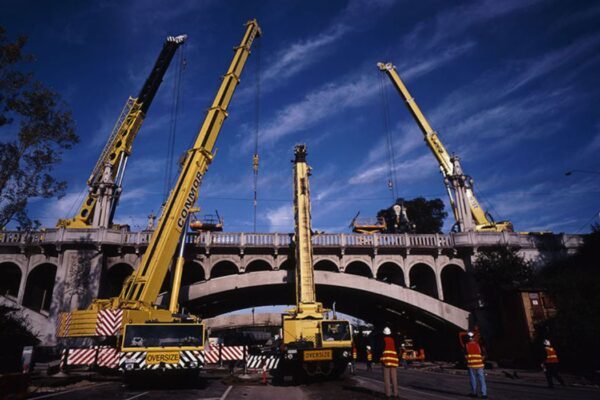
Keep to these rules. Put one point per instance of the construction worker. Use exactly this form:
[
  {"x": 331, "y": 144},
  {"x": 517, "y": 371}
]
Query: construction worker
[
  {"x": 389, "y": 359},
  {"x": 550, "y": 364},
  {"x": 403, "y": 356},
  {"x": 369, "y": 359},
  {"x": 475, "y": 365},
  {"x": 352, "y": 362}
]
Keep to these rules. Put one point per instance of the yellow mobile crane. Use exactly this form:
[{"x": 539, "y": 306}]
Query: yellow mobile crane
[
  {"x": 467, "y": 211},
  {"x": 104, "y": 184},
  {"x": 313, "y": 345},
  {"x": 142, "y": 335}
]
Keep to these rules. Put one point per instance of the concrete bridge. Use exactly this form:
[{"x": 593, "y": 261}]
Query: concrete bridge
[{"x": 415, "y": 280}]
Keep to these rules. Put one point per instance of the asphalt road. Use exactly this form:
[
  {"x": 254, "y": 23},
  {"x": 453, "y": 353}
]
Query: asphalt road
[{"x": 414, "y": 384}]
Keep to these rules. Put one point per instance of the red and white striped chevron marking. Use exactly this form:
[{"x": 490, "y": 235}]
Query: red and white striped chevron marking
[
  {"x": 228, "y": 353},
  {"x": 63, "y": 356},
  {"x": 108, "y": 357},
  {"x": 81, "y": 356},
  {"x": 63, "y": 321},
  {"x": 109, "y": 322}
]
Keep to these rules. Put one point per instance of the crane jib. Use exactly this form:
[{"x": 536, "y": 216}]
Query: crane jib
[{"x": 190, "y": 200}]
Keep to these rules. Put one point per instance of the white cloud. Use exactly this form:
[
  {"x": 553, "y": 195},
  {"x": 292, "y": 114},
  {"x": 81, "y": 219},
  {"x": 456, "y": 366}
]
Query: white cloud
[
  {"x": 299, "y": 55},
  {"x": 281, "y": 219},
  {"x": 542, "y": 65},
  {"x": 406, "y": 171},
  {"x": 65, "y": 207},
  {"x": 318, "y": 105},
  {"x": 454, "y": 21}
]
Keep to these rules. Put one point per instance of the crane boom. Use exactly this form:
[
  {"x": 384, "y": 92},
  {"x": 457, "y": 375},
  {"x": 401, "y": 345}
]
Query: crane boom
[
  {"x": 312, "y": 343},
  {"x": 467, "y": 211},
  {"x": 305, "y": 282},
  {"x": 145, "y": 285},
  {"x": 143, "y": 334},
  {"x": 104, "y": 183}
]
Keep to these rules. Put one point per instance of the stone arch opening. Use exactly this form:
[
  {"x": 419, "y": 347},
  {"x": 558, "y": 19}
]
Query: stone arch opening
[
  {"x": 422, "y": 279},
  {"x": 288, "y": 265},
  {"x": 359, "y": 268},
  {"x": 115, "y": 277},
  {"x": 258, "y": 265},
  {"x": 10, "y": 279},
  {"x": 39, "y": 287},
  {"x": 326, "y": 265},
  {"x": 223, "y": 268},
  {"x": 391, "y": 273},
  {"x": 192, "y": 273},
  {"x": 454, "y": 285}
]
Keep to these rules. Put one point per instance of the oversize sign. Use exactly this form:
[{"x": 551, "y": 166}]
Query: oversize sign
[
  {"x": 169, "y": 357},
  {"x": 318, "y": 355}
]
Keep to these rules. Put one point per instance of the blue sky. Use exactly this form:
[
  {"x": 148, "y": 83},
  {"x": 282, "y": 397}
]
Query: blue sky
[{"x": 511, "y": 86}]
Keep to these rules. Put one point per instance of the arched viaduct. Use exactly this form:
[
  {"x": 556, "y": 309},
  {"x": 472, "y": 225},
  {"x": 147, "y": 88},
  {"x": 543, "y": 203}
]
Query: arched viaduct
[{"x": 412, "y": 279}]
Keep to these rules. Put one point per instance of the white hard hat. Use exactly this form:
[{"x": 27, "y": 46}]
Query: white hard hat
[
  {"x": 387, "y": 331},
  {"x": 546, "y": 342},
  {"x": 368, "y": 347},
  {"x": 470, "y": 334}
]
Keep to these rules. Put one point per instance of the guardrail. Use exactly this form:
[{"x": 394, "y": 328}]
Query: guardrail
[{"x": 261, "y": 240}]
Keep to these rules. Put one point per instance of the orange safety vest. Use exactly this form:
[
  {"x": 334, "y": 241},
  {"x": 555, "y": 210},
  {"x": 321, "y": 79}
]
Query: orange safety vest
[
  {"x": 369, "y": 355},
  {"x": 389, "y": 358},
  {"x": 474, "y": 357},
  {"x": 551, "y": 357}
]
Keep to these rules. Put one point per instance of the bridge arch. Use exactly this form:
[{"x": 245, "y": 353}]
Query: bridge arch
[
  {"x": 454, "y": 285},
  {"x": 223, "y": 268},
  {"x": 359, "y": 267},
  {"x": 422, "y": 279},
  {"x": 259, "y": 264},
  {"x": 285, "y": 263},
  {"x": 193, "y": 272},
  {"x": 114, "y": 278},
  {"x": 326, "y": 264},
  {"x": 40, "y": 287},
  {"x": 391, "y": 272},
  {"x": 10, "y": 279},
  {"x": 230, "y": 293}
]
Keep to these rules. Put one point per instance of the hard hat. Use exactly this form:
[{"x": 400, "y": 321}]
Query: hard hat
[
  {"x": 368, "y": 347},
  {"x": 546, "y": 342},
  {"x": 387, "y": 331},
  {"x": 470, "y": 334}
]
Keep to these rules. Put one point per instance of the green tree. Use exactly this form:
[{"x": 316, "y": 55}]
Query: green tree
[
  {"x": 498, "y": 273},
  {"x": 573, "y": 282},
  {"x": 14, "y": 334},
  {"x": 424, "y": 216},
  {"x": 36, "y": 127}
]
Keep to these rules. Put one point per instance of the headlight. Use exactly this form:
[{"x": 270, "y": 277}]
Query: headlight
[
  {"x": 129, "y": 367},
  {"x": 194, "y": 364},
  {"x": 290, "y": 356},
  {"x": 346, "y": 353}
]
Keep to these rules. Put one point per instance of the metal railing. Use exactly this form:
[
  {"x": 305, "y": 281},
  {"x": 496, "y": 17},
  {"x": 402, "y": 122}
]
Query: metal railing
[{"x": 124, "y": 237}]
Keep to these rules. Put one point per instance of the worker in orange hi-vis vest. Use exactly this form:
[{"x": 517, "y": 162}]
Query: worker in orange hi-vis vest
[
  {"x": 354, "y": 358},
  {"x": 369, "y": 359},
  {"x": 550, "y": 364},
  {"x": 389, "y": 359},
  {"x": 475, "y": 365}
]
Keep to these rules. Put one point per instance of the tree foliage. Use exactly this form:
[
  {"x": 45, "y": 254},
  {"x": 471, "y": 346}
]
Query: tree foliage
[
  {"x": 424, "y": 216},
  {"x": 574, "y": 284},
  {"x": 14, "y": 334},
  {"x": 502, "y": 269},
  {"x": 36, "y": 127}
]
